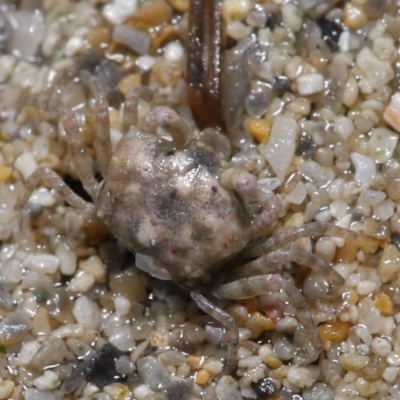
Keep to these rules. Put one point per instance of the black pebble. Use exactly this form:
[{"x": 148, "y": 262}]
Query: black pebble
[
  {"x": 101, "y": 369},
  {"x": 264, "y": 388},
  {"x": 331, "y": 32}
]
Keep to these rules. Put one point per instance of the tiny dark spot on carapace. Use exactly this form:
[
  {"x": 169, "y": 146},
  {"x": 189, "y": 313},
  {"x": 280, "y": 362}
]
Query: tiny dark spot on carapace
[
  {"x": 170, "y": 153},
  {"x": 214, "y": 189}
]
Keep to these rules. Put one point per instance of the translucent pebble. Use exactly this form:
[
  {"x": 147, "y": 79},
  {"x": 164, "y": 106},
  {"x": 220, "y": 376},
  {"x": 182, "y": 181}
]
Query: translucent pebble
[
  {"x": 6, "y": 389},
  {"x": 298, "y": 194},
  {"x": 365, "y": 168},
  {"x": 43, "y": 197},
  {"x": 121, "y": 338},
  {"x": 81, "y": 282},
  {"x": 319, "y": 391},
  {"x": 258, "y": 101},
  {"x": 13, "y": 327},
  {"x": 316, "y": 174},
  {"x": 119, "y": 10},
  {"x": 86, "y": 312},
  {"x": 384, "y": 210},
  {"x": 35, "y": 394},
  {"x": 284, "y": 349},
  {"x": 389, "y": 264},
  {"x": 153, "y": 373},
  {"x": 51, "y": 353},
  {"x": 343, "y": 126},
  {"x": 280, "y": 149}
]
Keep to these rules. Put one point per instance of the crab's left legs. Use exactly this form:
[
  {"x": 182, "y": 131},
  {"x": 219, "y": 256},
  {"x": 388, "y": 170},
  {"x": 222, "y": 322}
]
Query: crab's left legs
[
  {"x": 257, "y": 285},
  {"x": 172, "y": 123},
  {"x": 312, "y": 229},
  {"x": 228, "y": 322},
  {"x": 53, "y": 180},
  {"x": 79, "y": 156},
  {"x": 102, "y": 143}
]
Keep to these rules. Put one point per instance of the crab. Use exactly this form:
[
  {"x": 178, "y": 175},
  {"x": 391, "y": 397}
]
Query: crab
[{"x": 169, "y": 201}]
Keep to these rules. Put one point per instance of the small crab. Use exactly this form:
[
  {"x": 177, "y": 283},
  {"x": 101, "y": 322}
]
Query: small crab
[{"x": 184, "y": 216}]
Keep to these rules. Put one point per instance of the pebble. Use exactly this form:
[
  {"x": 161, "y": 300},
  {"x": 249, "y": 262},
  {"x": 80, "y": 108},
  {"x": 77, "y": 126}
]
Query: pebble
[
  {"x": 6, "y": 389},
  {"x": 392, "y": 112},
  {"x": 335, "y": 331},
  {"x": 382, "y": 144},
  {"x": 26, "y": 164},
  {"x": 284, "y": 349},
  {"x": 366, "y": 287},
  {"x": 94, "y": 266},
  {"x": 280, "y": 148},
  {"x": 302, "y": 377},
  {"x": 389, "y": 264},
  {"x": 258, "y": 323},
  {"x": 354, "y": 17},
  {"x": 310, "y": 84},
  {"x": 384, "y": 210},
  {"x": 380, "y": 346},
  {"x": 51, "y": 353},
  {"x": 5, "y": 173},
  {"x": 384, "y": 304},
  {"x": 48, "y": 381},
  {"x": 27, "y": 352},
  {"x": 119, "y": 11},
  {"x": 352, "y": 361},
  {"x": 42, "y": 263},
  {"x": 118, "y": 391},
  {"x": 142, "y": 392},
  {"x": 316, "y": 174},
  {"x": 122, "y": 305},
  {"x": 35, "y": 394},
  {"x": 319, "y": 391},
  {"x": 7, "y": 64},
  {"x": 201, "y": 377},
  {"x": 86, "y": 312},
  {"x": 68, "y": 259},
  {"x": 81, "y": 282},
  {"x": 292, "y": 16},
  {"x": 260, "y": 128},
  {"x": 228, "y": 389},
  {"x": 390, "y": 374},
  {"x": 73, "y": 46},
  {"x": 377, "y": 72}
]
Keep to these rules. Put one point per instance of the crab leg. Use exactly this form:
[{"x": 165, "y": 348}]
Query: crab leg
[
  {"x": 226, "y": 320},
  {"x": 257, "y": 285},
  {"x": 81, "y": 160},
  {"x": 54, "y": 181},
  {"x": 269, "y": 262},
  {"x": 130, "y": 117},
  {"x": 102, "y": 143},
  {"x": 291, "y": 235},
  {"x": 172, "y": 123}
]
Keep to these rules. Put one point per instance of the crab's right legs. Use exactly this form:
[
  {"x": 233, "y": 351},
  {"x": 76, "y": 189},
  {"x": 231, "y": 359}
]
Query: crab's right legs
[
  {"x": 257, "y": 285},
  {"x": 54, "y": 181},
  {"x": 226, "y": 320},
  {"x": 81, "y": 160}
]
